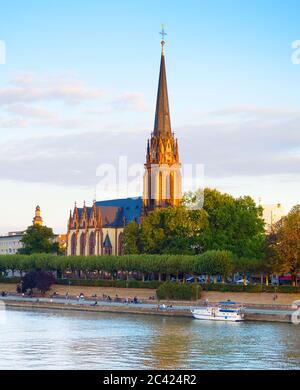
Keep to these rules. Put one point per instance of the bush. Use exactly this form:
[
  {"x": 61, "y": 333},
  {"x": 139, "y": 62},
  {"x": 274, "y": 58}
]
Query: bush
[
  {"x": 176, "y": 291},
  {"x": 251, "y": 288},
  {"x": 282, "y": 289},
  {"x": 223, "y": 287},
  {"x": 41, "y": 280},
  {"x": 13, "y": 280}
]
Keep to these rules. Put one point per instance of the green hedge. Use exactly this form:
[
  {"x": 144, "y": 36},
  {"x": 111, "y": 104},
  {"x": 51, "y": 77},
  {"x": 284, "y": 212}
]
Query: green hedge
[
  {"x": 176, "y": 291},
  {"x": 282, "y": 289},
  {"x": 250, "y": 288},
  {"x": 13, "y": 280},
  {"x": 109, "y": 283}
]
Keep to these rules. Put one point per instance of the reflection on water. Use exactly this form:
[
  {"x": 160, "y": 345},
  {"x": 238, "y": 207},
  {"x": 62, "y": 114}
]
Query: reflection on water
[{"x": 55, "y": 340}]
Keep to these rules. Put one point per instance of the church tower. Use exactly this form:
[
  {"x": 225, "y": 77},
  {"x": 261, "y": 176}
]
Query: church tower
[
  {"x": 162, "y": 178},
  {"x": 37, "y": 220}
]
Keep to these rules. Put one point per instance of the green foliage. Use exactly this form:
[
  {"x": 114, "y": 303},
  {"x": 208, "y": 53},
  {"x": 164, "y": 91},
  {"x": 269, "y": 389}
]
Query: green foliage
[
  {"x": 38, "y": 239},
  {"x": 169, "y": 230},
  {"x": 211, "y": 263},
  {"x": 222, "y": 287},
  {"x": 10, "y": 280},
  {"x": 250, "y": 288},
  {"x": 234, "y": 224},
  {"x": 284, "y": 244},
  {"x": 206, "y": 221},
  {"x": 131, "y": 238},
  {"x": 215, "y": 263},
  {"x": 177, "y": 292}
]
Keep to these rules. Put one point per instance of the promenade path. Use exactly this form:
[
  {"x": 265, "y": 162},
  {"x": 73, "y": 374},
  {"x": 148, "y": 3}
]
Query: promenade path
[{"x": 81, "y": 303}]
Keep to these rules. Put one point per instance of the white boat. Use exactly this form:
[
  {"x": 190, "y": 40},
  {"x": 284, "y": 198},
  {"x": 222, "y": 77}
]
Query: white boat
[{"x": 225, "y": 311}]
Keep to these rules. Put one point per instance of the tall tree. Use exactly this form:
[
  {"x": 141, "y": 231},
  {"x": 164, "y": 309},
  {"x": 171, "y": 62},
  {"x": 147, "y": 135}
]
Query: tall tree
[
  {"x": 284, "y": 244},
  {"x": 235, "y": 224},
  {"x": 173, "y": 230},
  {"x": 38, "y": 239}
]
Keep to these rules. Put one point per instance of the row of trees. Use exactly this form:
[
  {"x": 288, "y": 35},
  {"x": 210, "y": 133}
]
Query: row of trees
[
  {"x": 214, "y": 262},
  {"x": 223, "y": 223}
]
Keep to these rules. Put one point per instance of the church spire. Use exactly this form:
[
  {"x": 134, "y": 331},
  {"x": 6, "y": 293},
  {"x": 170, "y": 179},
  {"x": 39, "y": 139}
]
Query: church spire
[
  {"x": 162, "y": 178},
  {"x": 162, "y": 124}
]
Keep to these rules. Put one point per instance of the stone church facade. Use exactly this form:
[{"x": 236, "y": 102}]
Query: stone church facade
[{"x": 98, "y": 230}]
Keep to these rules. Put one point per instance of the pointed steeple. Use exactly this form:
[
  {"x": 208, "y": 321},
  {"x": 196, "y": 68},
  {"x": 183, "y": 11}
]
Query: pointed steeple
[{"x": 162, "y": 124}]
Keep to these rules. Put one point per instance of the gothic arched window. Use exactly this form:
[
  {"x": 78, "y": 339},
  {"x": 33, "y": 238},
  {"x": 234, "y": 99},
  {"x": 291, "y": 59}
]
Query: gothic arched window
[
  {"x": 92, "y": 244},
  {"x": 82, "y": 244},
  {"x": 73, "y": 244}
]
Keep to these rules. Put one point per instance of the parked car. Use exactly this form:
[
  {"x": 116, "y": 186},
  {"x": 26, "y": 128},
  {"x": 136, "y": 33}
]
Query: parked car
[
  {"x": 241, "y": 281},
  {"x": 192, "y": 279}
]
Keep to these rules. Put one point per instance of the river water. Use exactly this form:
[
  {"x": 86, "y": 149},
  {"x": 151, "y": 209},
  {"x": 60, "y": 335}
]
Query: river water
[{"x": 55, "y": 340}]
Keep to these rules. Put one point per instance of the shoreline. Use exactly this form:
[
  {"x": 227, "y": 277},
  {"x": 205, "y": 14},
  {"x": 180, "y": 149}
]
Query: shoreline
[{"x": 251, "y": 314}]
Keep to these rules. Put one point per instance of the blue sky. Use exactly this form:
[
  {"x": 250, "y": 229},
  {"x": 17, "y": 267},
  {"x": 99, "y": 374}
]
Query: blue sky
[{"x": 79, "y": 89}]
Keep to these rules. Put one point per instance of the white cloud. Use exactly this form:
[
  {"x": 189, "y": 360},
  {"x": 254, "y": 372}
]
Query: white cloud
[
  {"x": 31, "y": 101},
  {"x": 263, "y": 147},
  {"x": 130, "y": 101},
  {"x": 29, "y": 111}
]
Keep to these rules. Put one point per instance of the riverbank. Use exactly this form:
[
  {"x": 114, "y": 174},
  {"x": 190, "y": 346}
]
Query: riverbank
[
  {"x": 262, "y": 313},
  {"x": 145, "y": 294}
]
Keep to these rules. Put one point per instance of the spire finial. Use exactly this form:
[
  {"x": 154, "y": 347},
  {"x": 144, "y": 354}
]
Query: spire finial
[{"x": 162, "y": 33}]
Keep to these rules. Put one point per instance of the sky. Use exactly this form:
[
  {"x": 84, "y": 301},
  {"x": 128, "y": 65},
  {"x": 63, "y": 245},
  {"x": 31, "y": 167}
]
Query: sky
[{"x": 78, "y": 90}]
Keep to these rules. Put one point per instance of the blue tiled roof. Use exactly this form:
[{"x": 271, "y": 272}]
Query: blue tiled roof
[
  {"x": 130, "y": 209},
  {"x": 89, "y": 210},
  {"x": 79, "y": 212}
]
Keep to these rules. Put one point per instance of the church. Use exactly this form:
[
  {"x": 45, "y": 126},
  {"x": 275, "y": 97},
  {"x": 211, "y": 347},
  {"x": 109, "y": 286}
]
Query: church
[{"x": 98, "y": 229}]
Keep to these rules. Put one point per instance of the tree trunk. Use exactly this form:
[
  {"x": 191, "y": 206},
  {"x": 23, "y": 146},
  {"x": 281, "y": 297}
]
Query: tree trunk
[
  {"x": 267, "y": 280},
  {"x": 159, "y": 277},
  {"x": 245, "y": 280},
  {"x": 143, "y": 276},
  {"x": 261, "y": 279},
  {"x": 223, "y": 279},
  {"x": 215, "y": 279}
]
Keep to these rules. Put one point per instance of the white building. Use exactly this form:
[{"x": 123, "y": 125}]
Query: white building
[{"x": 10, "y": 244}]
